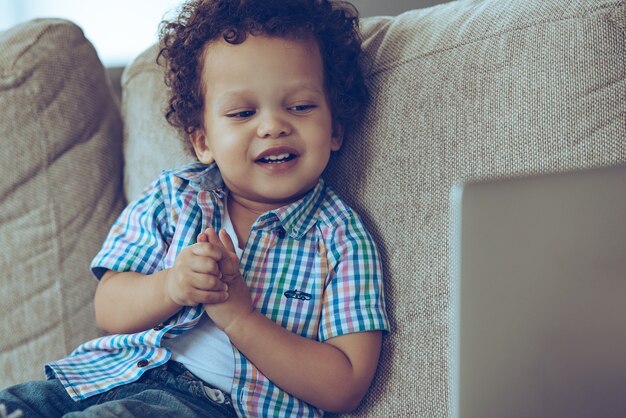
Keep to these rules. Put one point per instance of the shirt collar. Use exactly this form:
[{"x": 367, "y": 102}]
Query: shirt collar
[
  {"x": 300, "y": 216},
  {"x": 201, "y": 177},
  {"x": 296, "y": 218}
]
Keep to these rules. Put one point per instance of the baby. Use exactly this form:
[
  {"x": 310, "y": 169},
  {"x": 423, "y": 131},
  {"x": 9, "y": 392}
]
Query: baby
[{"x": 240, "y": 284}]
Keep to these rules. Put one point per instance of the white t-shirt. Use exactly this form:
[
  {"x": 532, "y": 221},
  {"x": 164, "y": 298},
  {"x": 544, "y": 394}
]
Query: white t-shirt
[{"x": 206, "y": 350}]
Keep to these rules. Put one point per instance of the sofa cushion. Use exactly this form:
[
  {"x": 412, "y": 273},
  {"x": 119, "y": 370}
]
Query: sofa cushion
[
  {"x": 61, "y": 162},
  {"x": 468, "y": 90},
  {"x": 150, "y": 143}
]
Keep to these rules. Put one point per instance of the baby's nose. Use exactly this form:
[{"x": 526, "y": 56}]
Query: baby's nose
[{"x": 273, "y": 126}]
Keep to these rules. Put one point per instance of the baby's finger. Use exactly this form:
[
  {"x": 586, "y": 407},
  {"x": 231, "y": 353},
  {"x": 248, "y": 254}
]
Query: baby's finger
[
  {"x": 218, "y": 241},
  {"x": 208, "y": 283},
  {"x": 207, "y": 249},
  {"x": 212, "y": 236},
  {"x": 229, "y": 265},
  {"x": 202, "y": 237},
  {"x": 204, "y": 265},
  {"x": 227, "y": 241}
]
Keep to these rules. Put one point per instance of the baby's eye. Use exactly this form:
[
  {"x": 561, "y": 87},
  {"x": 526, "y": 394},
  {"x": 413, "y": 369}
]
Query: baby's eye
[
  {"x": 241, "y": 115},
  {"x": 302, "y": 108}
]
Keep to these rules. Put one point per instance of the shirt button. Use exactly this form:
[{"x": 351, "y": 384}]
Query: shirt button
[
  {"x": 142, "y": 363},
  {"x": 159, "y": 327},
  {"x": 281, "y": 233}
]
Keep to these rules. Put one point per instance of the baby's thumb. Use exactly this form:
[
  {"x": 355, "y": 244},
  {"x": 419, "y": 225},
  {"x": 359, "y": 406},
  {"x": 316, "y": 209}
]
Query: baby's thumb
[
  {"x": 202, "y": 237},
  {"x": 227, "y": 241},
  {"x": 230, "y": 264}
]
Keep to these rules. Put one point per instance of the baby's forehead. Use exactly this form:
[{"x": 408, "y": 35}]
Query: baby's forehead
[
  {"x": 296, "y": 61},
  {"x": 287, "y": 89},
  {"x": 248, "y": 45}
]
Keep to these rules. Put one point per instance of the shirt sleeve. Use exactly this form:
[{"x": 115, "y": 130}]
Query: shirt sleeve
[
  {"x": 354, "y": 297},
  {"x": 139, "y": 238}
]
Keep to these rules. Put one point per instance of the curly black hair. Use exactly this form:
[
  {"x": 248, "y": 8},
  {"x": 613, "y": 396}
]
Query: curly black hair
[{"x": 334, "y": 25}]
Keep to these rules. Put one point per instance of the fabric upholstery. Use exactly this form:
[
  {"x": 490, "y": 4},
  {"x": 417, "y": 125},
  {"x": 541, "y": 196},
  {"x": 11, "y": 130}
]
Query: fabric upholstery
[
  {"x": 60, "y": 187},
  {"x": 150, "y": 144},
  {"x": 472, "y": 89},
  {"x": 466, "y": 91},
  {"x": 462, "y": 91}
]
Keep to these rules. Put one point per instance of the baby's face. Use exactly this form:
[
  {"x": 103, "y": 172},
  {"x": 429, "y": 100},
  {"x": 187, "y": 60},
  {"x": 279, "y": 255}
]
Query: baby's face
[{"x": 267, "y": 120}]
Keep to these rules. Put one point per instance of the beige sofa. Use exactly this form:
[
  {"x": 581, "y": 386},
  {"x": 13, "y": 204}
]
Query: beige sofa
[{"x": 473, "y": 89}]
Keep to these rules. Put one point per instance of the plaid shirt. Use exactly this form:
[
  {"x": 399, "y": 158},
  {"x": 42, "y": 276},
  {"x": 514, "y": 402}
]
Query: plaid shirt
[{"x": 311, "y": 267}]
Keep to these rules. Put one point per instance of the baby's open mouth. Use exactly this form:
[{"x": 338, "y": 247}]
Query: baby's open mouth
[{"x": 276, "y": 159}]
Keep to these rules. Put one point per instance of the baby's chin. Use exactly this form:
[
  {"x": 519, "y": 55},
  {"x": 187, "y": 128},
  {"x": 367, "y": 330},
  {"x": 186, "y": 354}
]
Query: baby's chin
[
  {"x": 271, "y": 199},
  {"x": 278, "y": 200}
]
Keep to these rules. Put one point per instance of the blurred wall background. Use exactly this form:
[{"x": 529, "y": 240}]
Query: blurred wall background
[{"x": 121, "y": 29}]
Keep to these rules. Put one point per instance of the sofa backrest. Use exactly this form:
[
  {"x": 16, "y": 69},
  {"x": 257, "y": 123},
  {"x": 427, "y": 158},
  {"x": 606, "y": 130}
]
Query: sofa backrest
[{"x": 468, "y": 90}]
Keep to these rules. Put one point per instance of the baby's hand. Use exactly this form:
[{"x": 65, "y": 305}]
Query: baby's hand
[
  {"x": 195, "y": 277},
  {"x": 229, "y": 262},
  {"x": 239, "y": 304}
]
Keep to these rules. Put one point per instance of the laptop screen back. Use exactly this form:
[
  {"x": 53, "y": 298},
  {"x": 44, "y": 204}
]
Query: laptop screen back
[{"x": 539, "y": 269}]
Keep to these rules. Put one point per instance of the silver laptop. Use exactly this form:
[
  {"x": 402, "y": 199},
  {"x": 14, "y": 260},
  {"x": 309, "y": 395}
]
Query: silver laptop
[{"x": 539, "y": 296}]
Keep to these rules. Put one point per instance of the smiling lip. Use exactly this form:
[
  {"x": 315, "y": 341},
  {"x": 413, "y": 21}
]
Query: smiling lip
[
  {"x": 277, "y": 160},
  {"x": 276, "y": 155}
]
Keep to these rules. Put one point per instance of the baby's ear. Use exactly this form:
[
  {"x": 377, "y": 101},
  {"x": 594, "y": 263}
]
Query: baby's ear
[
  {"x": 200, "y": 146},
  {"x": 337, "y": 139}
]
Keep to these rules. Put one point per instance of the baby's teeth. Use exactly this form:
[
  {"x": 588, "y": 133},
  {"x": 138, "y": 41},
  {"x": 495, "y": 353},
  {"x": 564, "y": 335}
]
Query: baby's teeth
[{"x": 278, "y": 157}]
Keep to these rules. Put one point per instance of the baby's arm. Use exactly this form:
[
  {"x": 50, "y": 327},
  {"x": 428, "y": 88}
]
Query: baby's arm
[
  {"x": 130, "y": 302},
  {"x": 333, "y": 375}
]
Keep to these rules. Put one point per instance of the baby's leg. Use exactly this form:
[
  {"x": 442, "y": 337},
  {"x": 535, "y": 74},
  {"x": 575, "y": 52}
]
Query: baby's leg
[
  {"x": 40, "y": 398},
  {"x": 165, "y": 407},
  {"x": 166, "y": 391}
]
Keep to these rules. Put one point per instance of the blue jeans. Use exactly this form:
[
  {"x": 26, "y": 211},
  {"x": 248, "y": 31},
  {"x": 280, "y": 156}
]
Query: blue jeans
[{"x": 165, "y": 391}]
